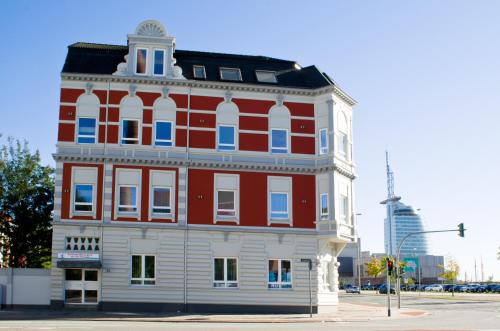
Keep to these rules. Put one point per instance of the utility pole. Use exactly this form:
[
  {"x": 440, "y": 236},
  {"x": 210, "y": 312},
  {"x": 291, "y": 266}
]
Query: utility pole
[{"x": 388, "y": 288}]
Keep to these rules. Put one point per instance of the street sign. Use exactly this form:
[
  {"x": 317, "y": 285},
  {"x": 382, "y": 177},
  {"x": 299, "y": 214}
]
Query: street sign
[{"x": 411, "y": 264}]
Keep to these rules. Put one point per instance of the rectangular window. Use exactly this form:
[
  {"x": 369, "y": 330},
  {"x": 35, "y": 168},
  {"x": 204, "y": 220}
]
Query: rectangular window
[
  {"x": 225, "y": 203},
  {"x": 143, "y": 270},
  {"x": 264, "y": 76},
  {"x": 86, "y": 131},
  {"x": 225, "y": 272},
  {"x": 83, "y": 198},
  {"x": 344, "y": 207},
  {"x": 163, "y": 134},
  {"x": 324, "y": 204},
  {"x": 128, "y": 199},
  {"x": 279, "y": 141},
  {"x": 159, "y": 62},
  {"x": 141, "y": 60},
  {"x": 280, "y": 274},
  {"x": 199, "y": 72},
  {"x": 323, "y": 141},
  {"x": 161, "y": 200},
  {"x": 343, "y": 144},
  {"x": 279, "y": 205},
  {"x": 230, "y": 74},
  {"x": 130, "y": 132},
  {"x": 226, "y": 138}
]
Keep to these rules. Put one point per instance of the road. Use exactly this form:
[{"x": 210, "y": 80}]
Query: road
[{"x": 461, "y": 313}]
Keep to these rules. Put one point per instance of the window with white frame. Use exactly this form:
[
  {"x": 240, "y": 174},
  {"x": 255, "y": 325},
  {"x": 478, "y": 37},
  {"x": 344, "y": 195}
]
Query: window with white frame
[
  {"x": 323, "y": 141},
  {"x": 226, "y": 188},
  {"x": 141, "y": 61},
  {"x": 163, "y": 133},
  {"x": 343, "y": 144},
  {"x": 130, "y": 132},
  {"x": 199, "y": 72},
  {"x": 127, "y": 199},
  {"x": 279, "y": 205},
  {"x": 86, "y": 130},
  {"x": 226, "y": 138},
  {"x": 280, "y": 274},
  {"x": 143, "y": 270},
  {"x": 83, "y": 198},
  {"x": 324, "y": 204},
  {"x": 230, "y": 74},
  {"x": 344, "y": 207},
  {"x": 159, "y": 62},
  {"x": 225, "y": 272},
  {"x": 161, "y": 200},
  {"x": 279, "y": 141},
  {"x": 265, "y": 76}
]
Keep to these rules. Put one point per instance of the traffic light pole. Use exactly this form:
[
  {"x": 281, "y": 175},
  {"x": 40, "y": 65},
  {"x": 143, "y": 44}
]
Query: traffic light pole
[
  {"x": 398, "y": 285},
  {"x": 388, "y": 288}
]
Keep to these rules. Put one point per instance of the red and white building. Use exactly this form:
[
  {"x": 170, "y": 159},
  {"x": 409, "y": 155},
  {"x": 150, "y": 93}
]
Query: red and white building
[{"x": 195, "y": 181}]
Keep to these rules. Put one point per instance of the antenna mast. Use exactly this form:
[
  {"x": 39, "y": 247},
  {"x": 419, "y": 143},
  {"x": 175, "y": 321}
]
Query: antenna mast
[{"x": 390, "y": 178}]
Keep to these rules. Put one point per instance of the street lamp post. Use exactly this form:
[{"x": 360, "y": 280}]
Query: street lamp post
[{"x": 359, "y": 253}]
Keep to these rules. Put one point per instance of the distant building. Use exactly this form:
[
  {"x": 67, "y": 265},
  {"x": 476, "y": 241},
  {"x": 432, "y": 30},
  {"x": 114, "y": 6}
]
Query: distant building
[{"x": 403, "y": 219}]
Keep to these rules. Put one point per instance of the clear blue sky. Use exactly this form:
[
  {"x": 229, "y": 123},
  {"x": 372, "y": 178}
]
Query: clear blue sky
[{"x": 426, "y": 75}]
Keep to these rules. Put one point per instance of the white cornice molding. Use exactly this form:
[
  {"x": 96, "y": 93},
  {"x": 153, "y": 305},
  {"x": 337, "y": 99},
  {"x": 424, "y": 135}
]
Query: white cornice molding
[{"x": 210, "y": 85}]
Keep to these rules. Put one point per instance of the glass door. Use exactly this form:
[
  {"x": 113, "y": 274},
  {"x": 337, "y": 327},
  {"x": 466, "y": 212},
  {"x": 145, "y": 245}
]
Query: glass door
[{"x": 81, "y": 286}]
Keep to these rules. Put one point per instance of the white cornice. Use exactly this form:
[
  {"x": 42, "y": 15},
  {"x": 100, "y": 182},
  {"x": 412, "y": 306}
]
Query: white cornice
[{"x": 210, "y": 85}]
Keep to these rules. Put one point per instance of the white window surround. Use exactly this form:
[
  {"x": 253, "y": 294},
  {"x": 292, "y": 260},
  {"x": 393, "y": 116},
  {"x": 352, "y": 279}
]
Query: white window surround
[
  {"x": 146, "y": 64},
  {"x": 277, "y": 219},
  {"x": 139, "y": 132},
  {"x": 237, "y": 70},
  {"x": 171, "y": 141},
  {"x": 323, "y": 149},
  {"x": 83, "y": 176},
  {"x": 287, "y": 140},
  {"x": 199, "y": 67},
  {"x": 153, "y": 207},
  {"x": 154, "y": 62},
  {"x": 235, "y": 134},
  {"x": 322, "y": 206},
  {"x": 225, "y": 283},
  {"x": 159, "y": 178},
  {"x": 280, "y": 184},
  {"x": 142, "y": 279},
  {"x": 94, "y": 136},
  {"x": 344, "y": 207},
  {"x": 231, "y": 183},
  {"x": 91, "y": 204},
  {"x": 225, "y": 213},
  {"x": 343, "y": 145},
  {"x": 279, "y": 284}
]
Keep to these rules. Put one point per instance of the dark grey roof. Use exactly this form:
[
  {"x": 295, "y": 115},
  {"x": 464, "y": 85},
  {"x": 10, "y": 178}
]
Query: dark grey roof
[{"x": 87, "y": 58}]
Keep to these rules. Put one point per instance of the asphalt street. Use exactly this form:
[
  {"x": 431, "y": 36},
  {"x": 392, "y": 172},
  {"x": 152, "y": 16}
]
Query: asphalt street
[{"x": 443, "y": 313}]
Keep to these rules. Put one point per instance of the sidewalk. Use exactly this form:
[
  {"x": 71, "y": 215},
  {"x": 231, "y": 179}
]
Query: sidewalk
[{"x": 346, "y": 312}]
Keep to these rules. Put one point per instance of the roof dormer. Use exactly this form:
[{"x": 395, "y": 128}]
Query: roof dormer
[{"x": 151, "y": 53}]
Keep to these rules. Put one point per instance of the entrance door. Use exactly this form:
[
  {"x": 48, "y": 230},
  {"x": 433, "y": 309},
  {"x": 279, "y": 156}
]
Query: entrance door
[{"x": 81, "y": 286}]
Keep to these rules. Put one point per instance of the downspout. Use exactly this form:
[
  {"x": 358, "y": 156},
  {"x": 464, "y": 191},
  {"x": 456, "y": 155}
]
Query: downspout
[{"x": 186, "y": 234}]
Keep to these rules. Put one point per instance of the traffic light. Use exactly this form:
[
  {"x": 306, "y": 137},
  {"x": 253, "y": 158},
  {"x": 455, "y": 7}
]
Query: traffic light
[
  {"x": 461, "y": 230},
  {"x": 390, "y": 266}
]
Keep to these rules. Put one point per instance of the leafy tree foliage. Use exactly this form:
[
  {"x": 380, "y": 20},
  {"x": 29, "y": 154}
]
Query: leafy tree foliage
[
  {"x": 375, "y": 267},
  {"x": 26, "y": 204},
  {"x": 451, "y": 270}
]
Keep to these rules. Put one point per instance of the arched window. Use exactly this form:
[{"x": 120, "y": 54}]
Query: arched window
[
  {"x": 130, "y": 120},
  {"x": 164, "y": 113},
  {"x": 343, "y": 135},
  {"x": 87, "y": 112},
  {"x": 279, "y": 126},
  {"x": 227, "y": 126}
]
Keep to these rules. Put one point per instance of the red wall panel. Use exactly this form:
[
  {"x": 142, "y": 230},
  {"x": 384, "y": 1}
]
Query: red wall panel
[
  {"x": 304, "y": 201},
  {"x": 181, "y": 118},
  {"x": 113, "y": 134},
  {"x": 66, "y": 132},
  {"x": 115, "y": 97},
  {"x": 303, "y": 145},
  {"x": 102, "y": 95},
  {"x": 253, "y": 142},
  {"x": 253, "y": 106},
  {"x": 113, "y": 114},
  {"x": 102, "y": 114},
  {"x": 202, "y": 139},
  {"x": 205, "y": 103},
  {"x": 148, "y": 98},
  {"x": 102, "y": 133},
  {"x": 181, "y": 100},
  {"x": 300, "y": 108},
  {"x": 180, "y": 138},
  {"x": 70, "y": 94},
  {"x": 202, "y": 120},
  {"x": 200, "y": 197},
  {"x": 147, "y": 133},
  {"x": 67, "y": 187},
  {"x": 67, "y": 113},
  {"x": 253, "y": 199},
  {"x": 254, "y": 123},
  {"x": 302, "y": 126},
  {"x": 147, "y": 116}
]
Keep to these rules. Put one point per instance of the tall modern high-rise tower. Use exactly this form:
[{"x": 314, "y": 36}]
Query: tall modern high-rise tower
[{"x": 400, "y": 220}]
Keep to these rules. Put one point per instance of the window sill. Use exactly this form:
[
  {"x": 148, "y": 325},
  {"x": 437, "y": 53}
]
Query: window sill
[{"x": 280, "y": 221}]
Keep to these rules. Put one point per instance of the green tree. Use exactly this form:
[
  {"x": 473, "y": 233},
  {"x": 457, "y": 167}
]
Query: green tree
[
  {"x": 26, "y": 204},
  {"x": 375, "y": 267},
  {"x": 450, "y": 271}
]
